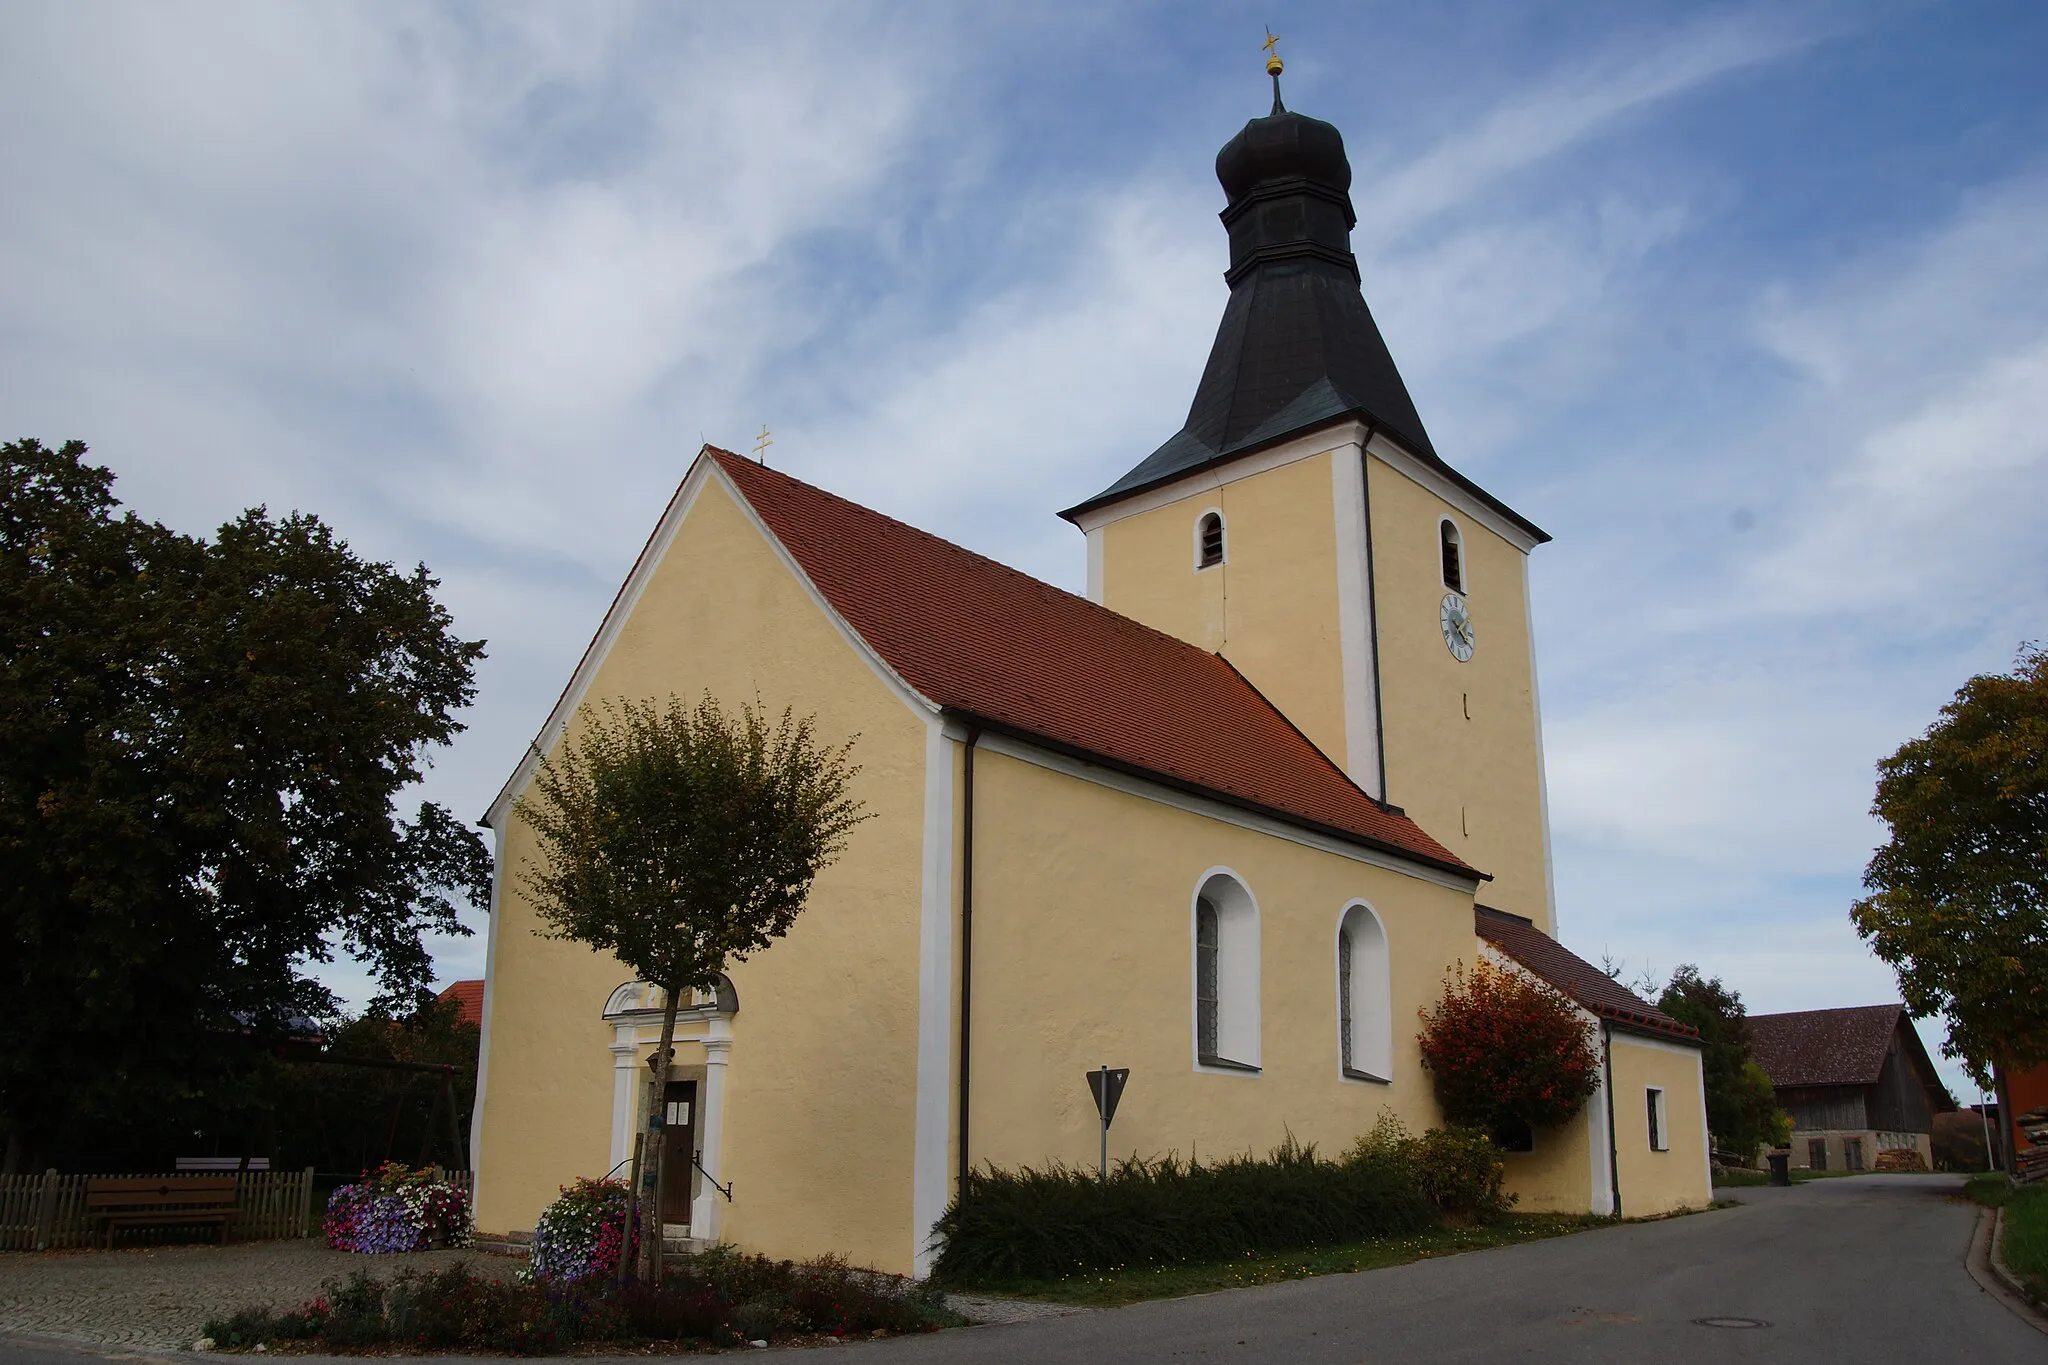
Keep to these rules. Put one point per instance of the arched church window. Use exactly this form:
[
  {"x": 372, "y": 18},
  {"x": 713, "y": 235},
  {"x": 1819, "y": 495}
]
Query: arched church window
[
  {"x": 1454, "y": 554},
  {"x": 1226, "y": 996},
  {"x": 1365, "y": 1020},
  {"x": 1209, "y": 540}
]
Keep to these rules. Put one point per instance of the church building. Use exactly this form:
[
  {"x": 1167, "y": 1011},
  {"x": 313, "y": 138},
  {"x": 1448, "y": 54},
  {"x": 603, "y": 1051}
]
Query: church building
[{"x": 1229, "y": 821}]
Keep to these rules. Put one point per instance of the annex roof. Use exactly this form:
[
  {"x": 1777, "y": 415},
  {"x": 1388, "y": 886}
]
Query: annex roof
[
  {"x": 1588, "y": 986},
  {"x": 1004, "y": 650},
  {"x": 1824, "y": 1047}
]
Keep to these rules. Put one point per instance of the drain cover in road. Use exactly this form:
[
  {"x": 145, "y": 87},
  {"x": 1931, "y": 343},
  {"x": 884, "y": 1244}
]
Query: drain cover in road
[{"x": 1731, "y": 1322}]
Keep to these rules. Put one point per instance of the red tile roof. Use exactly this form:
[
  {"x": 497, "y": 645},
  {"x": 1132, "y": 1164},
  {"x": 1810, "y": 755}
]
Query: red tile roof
[
  {"x": 1824, "y": 1047},
  {"x": 1019, "y": 655},
  {"x": 1579, "y": 979},
  {"x": 469, "y": 996}
]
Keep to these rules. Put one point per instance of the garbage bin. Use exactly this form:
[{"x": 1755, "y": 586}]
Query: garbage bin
[{"x": 1781, "y": 1167}]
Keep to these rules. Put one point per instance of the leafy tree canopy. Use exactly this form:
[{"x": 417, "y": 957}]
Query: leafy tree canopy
[
  {"x": 1742, "y": 1105},
  {"x": 678, "y": 839},
  {"x": 1959, "y": 892},
  {"x": 205, "y": 743}
]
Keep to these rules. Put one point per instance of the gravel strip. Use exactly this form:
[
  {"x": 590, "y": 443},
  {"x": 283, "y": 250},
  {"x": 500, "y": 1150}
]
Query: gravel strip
[{"x": 155, "y": 1298}]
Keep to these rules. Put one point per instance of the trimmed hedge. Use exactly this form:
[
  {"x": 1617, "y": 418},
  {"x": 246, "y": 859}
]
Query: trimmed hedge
[{"x": 1042, "y": 1224}]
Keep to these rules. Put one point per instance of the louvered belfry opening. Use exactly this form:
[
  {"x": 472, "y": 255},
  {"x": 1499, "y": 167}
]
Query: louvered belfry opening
[
  {"x": 1212, "y": 540},
  {"x": 1454, "y": 560}
]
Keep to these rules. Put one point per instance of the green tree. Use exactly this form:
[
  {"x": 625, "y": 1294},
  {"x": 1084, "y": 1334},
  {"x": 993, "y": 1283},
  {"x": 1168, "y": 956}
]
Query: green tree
[
  {"x": 205, "y": 743},
  {"x": 1959, "y": 892},
  {"x": 1742, "y": 1105},
  {"x": 679, "y": 840}
]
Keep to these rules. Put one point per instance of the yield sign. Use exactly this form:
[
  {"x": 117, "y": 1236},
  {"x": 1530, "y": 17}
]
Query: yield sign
[{"x": 1107, "y": 1085}]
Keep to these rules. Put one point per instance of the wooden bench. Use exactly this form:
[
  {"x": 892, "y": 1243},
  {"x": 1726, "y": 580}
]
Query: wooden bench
[{"x": 154, "y": 1201}]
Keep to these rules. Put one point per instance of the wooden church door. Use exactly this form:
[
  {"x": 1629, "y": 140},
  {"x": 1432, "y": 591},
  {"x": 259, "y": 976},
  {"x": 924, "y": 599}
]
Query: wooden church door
[{"x": 679, "y": 1148}]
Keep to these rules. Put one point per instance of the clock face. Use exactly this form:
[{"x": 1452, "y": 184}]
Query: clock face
[{"x": 1457, "y": 627}]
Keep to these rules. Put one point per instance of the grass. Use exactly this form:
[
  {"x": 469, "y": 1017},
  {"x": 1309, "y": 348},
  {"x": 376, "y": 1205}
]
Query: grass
[
  {"x": 1114, "y": 1288},
  {"x": 1736, "y": 1180},
  {"x": 2026, "y": 1227}
]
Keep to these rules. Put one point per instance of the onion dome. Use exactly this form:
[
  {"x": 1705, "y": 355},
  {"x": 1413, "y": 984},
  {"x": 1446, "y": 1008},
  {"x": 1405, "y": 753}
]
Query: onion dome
[{"x": 1297, "y": 348}]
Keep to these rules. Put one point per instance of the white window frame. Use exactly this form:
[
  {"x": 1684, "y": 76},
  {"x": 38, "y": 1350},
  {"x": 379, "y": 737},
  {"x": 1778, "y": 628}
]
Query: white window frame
[
  {"x": 1222, "y": 525},
  {"x": 1237, "y": 975},
  {"x": 1463, "y": 587},
  {"x": 1659, "y": 1119},
  {"x": 1365, "y": 1020}
]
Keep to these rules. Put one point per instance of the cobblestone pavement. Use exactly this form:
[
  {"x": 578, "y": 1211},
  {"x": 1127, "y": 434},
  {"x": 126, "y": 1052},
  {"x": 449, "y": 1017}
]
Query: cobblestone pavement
[{"x": 155, "y": 1298}]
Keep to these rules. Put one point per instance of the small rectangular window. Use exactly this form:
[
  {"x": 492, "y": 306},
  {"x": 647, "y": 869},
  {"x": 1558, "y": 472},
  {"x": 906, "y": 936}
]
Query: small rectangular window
[{"x": 1658, "y": 1139}]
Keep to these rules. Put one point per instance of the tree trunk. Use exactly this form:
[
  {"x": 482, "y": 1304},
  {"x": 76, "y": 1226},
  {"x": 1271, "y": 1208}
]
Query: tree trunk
[{"x": 657, "y": 1112}]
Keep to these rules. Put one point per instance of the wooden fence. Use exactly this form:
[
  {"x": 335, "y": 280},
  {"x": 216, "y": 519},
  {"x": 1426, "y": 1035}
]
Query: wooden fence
[{"x": 47, "y": 1211}]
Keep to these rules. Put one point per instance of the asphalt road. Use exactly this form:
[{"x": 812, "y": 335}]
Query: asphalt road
[{"x": 1861, "y": 1270}]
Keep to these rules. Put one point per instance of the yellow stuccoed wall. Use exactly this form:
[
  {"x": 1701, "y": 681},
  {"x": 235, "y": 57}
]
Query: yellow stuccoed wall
[
  {"x": 1461, "y": 739},
  {"x": 818, "y": 1135},
  {"x": 1659, "y": 1182},
  {"x": 1556, "y": 1175},
  {"x": 1473, "y": 783},
  {"x": 1083, "y": 950},
  {"x": 1270, "y": 607}
]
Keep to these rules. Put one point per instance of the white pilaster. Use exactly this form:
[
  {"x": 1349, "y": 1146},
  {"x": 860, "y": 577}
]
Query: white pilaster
[
  {"x": 625, "y": 1109},
  {"x": 932, "y": 1125},
  {"x": 705, "y": 1209},
  {"x": 1598, "y": 1137},
  {"x": 1355, "y": 620}
]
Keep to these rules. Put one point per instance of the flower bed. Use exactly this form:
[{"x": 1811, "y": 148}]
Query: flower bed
[
  {"x": 580, "y": 1235},
  {"x": 397, "y": 1208},
  {"x": 718, "y": 1298}
]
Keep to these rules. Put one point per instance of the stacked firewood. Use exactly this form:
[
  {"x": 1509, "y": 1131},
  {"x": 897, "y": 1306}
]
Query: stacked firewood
[
  {"x": 1900, "y": 1159},
  {"x": 2033, "y": 1161}
]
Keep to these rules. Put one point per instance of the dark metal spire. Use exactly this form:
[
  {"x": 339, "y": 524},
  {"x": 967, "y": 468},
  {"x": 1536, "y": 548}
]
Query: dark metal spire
[{"x": 1297, "y": 347}]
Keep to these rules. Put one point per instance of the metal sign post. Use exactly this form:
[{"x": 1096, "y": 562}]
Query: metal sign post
[{"x": 1107, "y": 1085}]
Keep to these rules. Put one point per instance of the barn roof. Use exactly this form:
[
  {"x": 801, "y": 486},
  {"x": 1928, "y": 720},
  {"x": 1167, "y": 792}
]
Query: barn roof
[
  {"x": 1835, "y": 1047},
  {"x": 1002, "y": 649}
]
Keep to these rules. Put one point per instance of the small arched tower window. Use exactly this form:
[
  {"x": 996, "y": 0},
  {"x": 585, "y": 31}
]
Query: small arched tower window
[
  {"x": 1209, "y": 540},
  {"x": 1454, "y": 554}
]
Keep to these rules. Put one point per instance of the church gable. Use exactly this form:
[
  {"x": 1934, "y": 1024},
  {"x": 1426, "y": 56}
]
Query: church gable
[
  {"x": 712, "y": 602},
  {"x": 997, "y": 649}
]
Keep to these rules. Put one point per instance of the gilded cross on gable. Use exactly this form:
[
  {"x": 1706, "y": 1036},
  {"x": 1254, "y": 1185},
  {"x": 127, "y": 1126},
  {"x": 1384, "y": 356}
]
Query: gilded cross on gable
[{"x": 761, "y": 444}]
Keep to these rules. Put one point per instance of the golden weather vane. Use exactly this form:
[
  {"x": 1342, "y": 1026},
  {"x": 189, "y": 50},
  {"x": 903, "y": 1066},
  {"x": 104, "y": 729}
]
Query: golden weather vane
[{"x": 761, "y": 444}]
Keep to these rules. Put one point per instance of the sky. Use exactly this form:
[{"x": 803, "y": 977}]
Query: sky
[{"x": 1746, "y": 304}]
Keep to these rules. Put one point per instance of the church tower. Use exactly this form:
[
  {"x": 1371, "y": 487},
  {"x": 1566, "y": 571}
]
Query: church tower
[{"x": 1302, "y": 525}]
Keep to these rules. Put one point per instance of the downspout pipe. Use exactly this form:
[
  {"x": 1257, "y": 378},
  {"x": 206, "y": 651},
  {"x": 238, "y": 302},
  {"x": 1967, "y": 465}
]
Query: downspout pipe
[
  {"x": 966, "y": 951},
  {"x": 1613, "y": 1139}
]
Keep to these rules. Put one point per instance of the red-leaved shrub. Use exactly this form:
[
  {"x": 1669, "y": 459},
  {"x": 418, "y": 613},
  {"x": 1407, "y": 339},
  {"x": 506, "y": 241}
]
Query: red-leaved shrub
[{"x": 1506, "y": 1051}]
